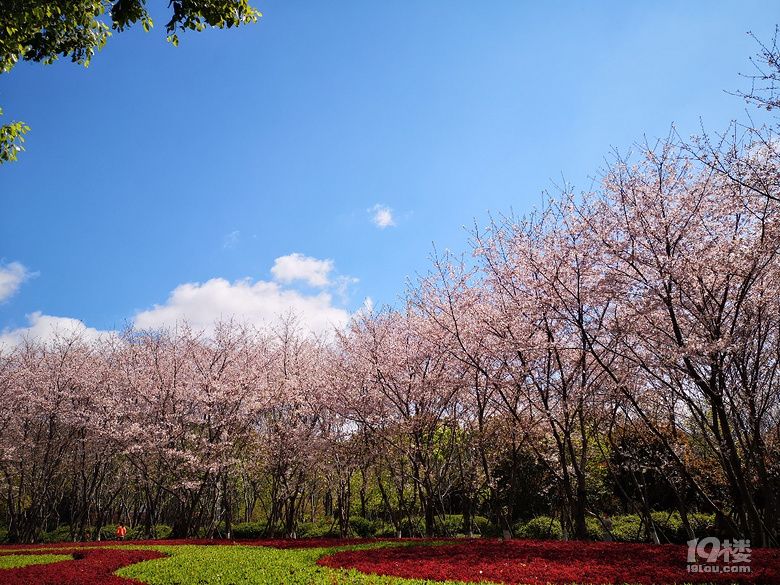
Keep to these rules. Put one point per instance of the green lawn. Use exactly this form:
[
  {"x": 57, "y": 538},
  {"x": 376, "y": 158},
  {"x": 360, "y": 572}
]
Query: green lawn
[
  {"x": 15, "y": 561},
  {"x": 252, "y": 565}
]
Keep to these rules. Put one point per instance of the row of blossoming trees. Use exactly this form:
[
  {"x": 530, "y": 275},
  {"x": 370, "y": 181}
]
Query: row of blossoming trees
[{"x": 614, "y": 346}]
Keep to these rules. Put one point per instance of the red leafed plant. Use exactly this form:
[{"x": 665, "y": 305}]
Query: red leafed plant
[
  {"x": 542, "y": 562},
  {"x": 89, "y": 567}
]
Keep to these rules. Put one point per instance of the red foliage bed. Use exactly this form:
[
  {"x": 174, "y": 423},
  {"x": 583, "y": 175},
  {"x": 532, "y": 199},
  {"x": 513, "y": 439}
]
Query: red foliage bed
[
  {"x": 542, "y": 562},
  {"x": 89, "y": 567}
]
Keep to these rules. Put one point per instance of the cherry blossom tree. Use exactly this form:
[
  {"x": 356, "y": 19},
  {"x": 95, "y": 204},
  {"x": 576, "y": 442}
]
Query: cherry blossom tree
[
  {"x": 45, "y": 386},
  {"x": 457, "y": 302},
  {"x": 690, "y": 257},
  {"x": 189, "y": 401},
  {"x": 404, "y": 398},
  {"x": 290, "y": 423},
  {"x": 543, "y": 287}
]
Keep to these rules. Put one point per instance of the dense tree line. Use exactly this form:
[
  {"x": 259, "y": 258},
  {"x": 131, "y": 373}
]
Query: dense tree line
[{"x": 616, "y": 350}]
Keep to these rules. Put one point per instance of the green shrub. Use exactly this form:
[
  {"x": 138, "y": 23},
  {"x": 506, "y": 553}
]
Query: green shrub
[
  {"x": 414, "y": 528},
  {"x": 481, "y": 525},
  {"x": 249, "y": 530},
  {"x": 542, "y": 527},
  {"x": 361, "y": 527},
  {"x": 323, "y": 529},
  {"x": 517, "y": 527},
  {"x": 108, "y": 532},
  {"x": 136, "y": 533},
  {"x": 670, "y": 527},
  {"x": 162, "y": 531},
  {"x": 628, "y": 528},
  {"x": 383, "y": 529},
  {"x": 59, "y": 534},
  {"x": 595, "y": 528},
  {"x": 487, "y": 528},
  {"x": 451, "y": 525},
  {"x": 139, "y": 532}
]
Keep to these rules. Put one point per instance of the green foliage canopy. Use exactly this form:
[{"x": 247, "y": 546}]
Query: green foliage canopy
[{"x": 34, "y": 30}]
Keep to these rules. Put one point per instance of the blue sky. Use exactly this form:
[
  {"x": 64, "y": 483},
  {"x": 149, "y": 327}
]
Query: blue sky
[{"x": 311, "y": 160}]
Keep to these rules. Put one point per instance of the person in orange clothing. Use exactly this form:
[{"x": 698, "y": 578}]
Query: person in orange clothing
[{"x": 121, "y": 531}]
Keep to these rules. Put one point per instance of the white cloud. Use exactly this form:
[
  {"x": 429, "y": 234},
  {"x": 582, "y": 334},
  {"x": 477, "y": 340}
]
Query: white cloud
[
  {"x": 231, "y": 240},
  {"x": 299, "y": 267},
  {"x": 383, "y": 216},
  {"x": 46, "y": 327},
  {"x": 202, "y": 305},
  {"x": 11, "y": 277}
]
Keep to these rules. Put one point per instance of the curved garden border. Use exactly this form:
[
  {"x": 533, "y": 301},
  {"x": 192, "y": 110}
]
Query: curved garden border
[{"x": 537, "y": 562}]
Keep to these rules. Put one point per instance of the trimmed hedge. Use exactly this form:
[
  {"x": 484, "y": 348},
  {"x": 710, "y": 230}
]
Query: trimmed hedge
[
  {"x": 361, "y": 527},
  {"x": 670, "y": 527},
  {"x": 540, "y": 528},
  {"x": 628, "y": 528},
  {"x": 625, "y": 528},
  {"x": 59, "y": 534},
  {"x": 249, "y": 530},
  {"x": 325, "y": 528}
]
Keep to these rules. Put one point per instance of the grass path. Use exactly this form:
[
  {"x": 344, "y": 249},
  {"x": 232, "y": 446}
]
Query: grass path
[
  {"x": 254, "y": 565},
  {"x": 14, "y": 561}
]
